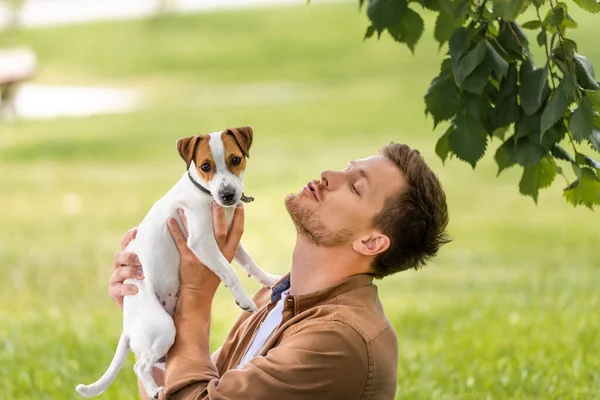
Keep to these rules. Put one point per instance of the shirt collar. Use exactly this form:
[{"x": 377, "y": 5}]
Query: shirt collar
[{"x": 308, "y": 300}]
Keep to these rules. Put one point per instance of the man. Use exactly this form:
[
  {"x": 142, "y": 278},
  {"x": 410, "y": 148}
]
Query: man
[{"x": 321, "y": 331}]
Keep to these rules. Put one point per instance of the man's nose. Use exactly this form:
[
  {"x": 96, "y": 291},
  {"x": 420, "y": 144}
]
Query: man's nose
[{"x": 324, "y": 178}]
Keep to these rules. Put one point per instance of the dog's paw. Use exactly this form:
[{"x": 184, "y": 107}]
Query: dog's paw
[
  {"x": 247, "y": 305},
  {"x": 156, "y": 392},
  {"x": 270, "y": 280}
]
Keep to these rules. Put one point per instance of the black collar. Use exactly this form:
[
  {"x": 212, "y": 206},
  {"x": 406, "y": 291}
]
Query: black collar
[
  {"x": 199, "y": 186},
  {"x": 245, "y": 199}
]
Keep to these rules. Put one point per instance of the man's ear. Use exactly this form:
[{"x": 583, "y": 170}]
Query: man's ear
[
  {"x": 243, "y": 137},
  {"x": 187, "y": 148},
  {"x": 371, "y": 245}
]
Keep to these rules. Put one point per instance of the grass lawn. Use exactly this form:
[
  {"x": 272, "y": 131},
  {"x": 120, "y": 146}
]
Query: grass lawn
[{"x": 508, "y": 310}]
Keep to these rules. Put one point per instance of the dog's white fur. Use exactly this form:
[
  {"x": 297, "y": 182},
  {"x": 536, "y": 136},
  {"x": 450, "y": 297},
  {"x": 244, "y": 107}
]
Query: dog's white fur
[{"x": 148, "y": 327}]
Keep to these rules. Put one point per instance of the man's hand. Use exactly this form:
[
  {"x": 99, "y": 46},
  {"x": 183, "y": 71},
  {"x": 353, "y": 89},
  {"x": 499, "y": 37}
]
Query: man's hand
[
  {"x": 194, "y": 275},
  {"x": 125, "y": 265}
]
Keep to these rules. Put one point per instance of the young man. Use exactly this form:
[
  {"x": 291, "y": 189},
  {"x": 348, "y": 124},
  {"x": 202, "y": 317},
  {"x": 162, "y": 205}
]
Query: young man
[{"x": 321, "y": 332}]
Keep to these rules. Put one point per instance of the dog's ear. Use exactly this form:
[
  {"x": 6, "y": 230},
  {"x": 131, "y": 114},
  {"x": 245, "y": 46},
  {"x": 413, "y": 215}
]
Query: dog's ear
[
  {"x": 187, "y": 148},
  {"x": 243, "y": 137}
]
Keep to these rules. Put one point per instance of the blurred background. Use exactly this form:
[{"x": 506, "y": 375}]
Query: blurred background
[{"x": 508, "y": 310}]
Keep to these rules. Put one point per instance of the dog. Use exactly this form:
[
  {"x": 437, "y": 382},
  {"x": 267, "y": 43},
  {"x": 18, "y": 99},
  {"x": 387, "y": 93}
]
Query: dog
[{"x": 215, "y": 165}]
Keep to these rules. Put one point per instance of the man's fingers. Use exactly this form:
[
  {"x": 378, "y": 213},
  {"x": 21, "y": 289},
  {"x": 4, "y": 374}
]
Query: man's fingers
[
  {"x": 184, "y": 220},
  {"x": 237, "y": 227},
  {"x": 219, "y": 223},
  {"x": 178, "y": 236},
  {"x": 128, "y": 237},
  {"x": 122, "y": 258},
  {"x": 118, "y": 291},
  {"x": 122, "y": 273}
]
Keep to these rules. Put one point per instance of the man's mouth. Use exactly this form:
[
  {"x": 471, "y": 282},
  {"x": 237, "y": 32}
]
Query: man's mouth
[{"x": 313, "y": 189}]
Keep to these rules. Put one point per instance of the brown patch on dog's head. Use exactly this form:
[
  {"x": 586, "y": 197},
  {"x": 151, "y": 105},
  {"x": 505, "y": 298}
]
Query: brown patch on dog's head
[
  {"x": 235, "y": 159},
  {"x": 196, "y": 148},
  {"x": 243, "y": 137},
  {"x": 187, "y": 148}
]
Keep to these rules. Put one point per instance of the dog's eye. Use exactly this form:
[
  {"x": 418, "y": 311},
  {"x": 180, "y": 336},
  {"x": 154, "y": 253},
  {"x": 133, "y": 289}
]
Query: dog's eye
[
  {"x": 236, "y": 160},
  {"x": 205, "y": 167}
]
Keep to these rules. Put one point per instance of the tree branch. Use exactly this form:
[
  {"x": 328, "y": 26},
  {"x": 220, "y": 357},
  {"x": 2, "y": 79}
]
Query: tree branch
[{"x": 537, "y": 10}]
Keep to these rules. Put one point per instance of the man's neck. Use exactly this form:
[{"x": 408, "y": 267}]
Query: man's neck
[{"x": 315, "y": 268}]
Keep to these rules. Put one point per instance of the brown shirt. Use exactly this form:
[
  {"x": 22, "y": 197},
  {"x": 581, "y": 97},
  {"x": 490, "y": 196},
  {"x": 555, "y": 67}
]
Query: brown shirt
[{"x": 331, "y": 344}]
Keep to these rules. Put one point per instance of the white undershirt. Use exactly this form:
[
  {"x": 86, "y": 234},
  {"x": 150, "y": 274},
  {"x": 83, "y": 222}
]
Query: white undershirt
[{"x": 266, "y": 329}]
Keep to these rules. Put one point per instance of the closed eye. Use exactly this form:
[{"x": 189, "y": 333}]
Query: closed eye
[{"x": 353, "y": 189}]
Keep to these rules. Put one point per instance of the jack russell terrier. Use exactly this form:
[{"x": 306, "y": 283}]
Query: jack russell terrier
[{"x": 215, "y": 167}]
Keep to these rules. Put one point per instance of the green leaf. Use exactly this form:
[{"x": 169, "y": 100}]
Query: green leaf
[
  {"x": 385, "y": 13},
  {"x": 409, "y": 29},
  {"x": 594, "y": 139},
  {"x": 507, "y": 9},
  {"x": 559, "y": 152},
  {"x": 370, "y": 31},
  {"x": 538, "y": 3},
  {"x": 581, "y": 122},
  {"x": 443, "y": 99},
  {"x": 535, "y": 24},
  {"x": 542, "y": 38},
  {"x": 506, "y": 111},
  {"x": 532, "y": 88},
  {"x": 559, "y": 103},
  {"x": 504, "y": 156},
  {"x": 589, "y": 5},
  {"x": 528, "y": 125},
  {"x": 459, "y": 43},
  {"x": 585, "y": 190},
  {"x": 591, "y": 162},
  {"x": 442, "y": 147},
  {"x": 537, "y": 177},
  {"x": 501, "y": 132},
  {"x": 475, "y": 83},
  {"x": 469, "y": 62},
  {"x": 469, "y": 138},
  {"x": 555, "y": 16},
  {"x": 433, "y": 5},
  {"x": 594, "y": 97},
  {"x": 550, "y": 137},
  {"x": 498, "y": 64},
  {"x": 444, "y": 27},
  {"x": 527, "y": 153},
  {"x": 585, "y": 73}
]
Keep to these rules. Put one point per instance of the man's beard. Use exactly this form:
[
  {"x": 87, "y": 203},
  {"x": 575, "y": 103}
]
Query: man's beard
[{"x": 309, "y": 225}]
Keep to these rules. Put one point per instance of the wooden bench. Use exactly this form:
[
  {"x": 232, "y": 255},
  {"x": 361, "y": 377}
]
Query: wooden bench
[{"x": 17, "y": 65}]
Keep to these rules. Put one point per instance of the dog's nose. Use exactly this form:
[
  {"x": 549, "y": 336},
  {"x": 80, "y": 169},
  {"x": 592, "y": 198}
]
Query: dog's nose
[{"x": 227, "y": 195}]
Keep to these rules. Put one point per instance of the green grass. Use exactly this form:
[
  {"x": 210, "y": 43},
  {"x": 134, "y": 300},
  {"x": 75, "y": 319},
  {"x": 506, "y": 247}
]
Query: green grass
[{"x": 508, "y": 310}]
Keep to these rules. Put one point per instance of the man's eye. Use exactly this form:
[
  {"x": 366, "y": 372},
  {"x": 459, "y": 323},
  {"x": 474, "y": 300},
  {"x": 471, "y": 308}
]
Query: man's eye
[{"x": 353, "y": 188}]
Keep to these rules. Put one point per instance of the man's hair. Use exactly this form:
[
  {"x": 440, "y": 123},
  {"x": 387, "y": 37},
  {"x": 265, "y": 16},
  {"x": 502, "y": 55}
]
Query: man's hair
[{"x": 415, "y": 219}]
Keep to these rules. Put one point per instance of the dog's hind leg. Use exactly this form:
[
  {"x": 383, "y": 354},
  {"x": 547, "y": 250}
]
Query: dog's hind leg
[
  {"x": 246, "y": 261},
  {"x": 143, "y": 367}
]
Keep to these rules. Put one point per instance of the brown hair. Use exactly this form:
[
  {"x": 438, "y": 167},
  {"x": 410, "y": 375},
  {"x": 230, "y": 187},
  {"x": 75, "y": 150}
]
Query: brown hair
[{"x": 415, "y": 219}]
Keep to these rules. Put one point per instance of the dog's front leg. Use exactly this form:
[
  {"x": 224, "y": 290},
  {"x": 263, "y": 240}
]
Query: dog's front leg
[
  {"x": 206, "y": 249},
  {"x": 246, "y": 261}
]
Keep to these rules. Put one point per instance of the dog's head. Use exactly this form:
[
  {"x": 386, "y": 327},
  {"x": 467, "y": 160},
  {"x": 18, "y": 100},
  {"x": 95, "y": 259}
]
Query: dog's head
[{"x": 219, "y": 160}]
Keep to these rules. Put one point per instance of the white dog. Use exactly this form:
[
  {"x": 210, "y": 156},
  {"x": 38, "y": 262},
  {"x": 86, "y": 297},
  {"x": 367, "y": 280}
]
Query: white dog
[{"x": 215, "y": 167}]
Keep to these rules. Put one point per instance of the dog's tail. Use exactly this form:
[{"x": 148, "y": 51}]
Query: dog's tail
[{"x": 115, "y": 366}]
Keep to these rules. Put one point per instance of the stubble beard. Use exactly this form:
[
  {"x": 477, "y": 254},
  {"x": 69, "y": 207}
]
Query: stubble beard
[{"x": 309, "y": 224}]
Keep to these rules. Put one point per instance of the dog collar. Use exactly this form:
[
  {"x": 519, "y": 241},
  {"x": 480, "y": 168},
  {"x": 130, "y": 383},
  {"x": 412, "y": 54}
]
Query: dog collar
[{"x": 244, "y": 198}]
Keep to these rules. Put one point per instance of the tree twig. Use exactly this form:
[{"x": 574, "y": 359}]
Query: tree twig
[
  {"x": 537, "y": 10},
  {"x": 562, "y": 41}
]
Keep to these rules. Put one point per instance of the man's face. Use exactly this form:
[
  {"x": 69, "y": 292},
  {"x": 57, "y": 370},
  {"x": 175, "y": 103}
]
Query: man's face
[{"x": 340, "y": 207}]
